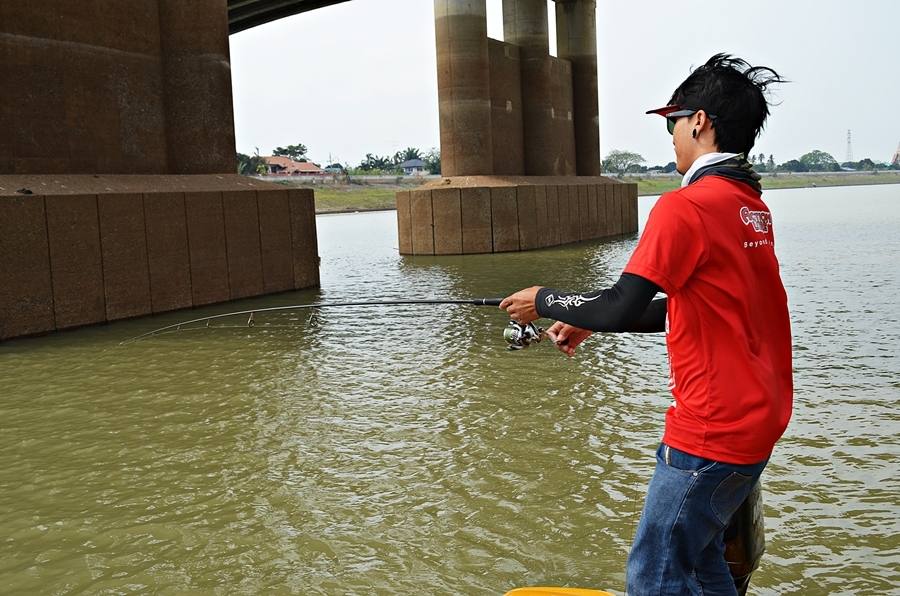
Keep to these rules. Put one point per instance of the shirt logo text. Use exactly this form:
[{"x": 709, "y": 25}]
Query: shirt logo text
[{"x": 760, "y": 220}]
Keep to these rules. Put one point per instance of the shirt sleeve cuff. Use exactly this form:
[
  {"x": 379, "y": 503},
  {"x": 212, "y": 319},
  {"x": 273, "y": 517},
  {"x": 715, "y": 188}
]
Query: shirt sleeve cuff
[
  {"x": 652, "y": 275},
  {"x": 540, "y": 301}
]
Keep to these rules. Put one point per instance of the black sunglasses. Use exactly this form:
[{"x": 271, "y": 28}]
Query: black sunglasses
[{"x": 673, "y": 117}]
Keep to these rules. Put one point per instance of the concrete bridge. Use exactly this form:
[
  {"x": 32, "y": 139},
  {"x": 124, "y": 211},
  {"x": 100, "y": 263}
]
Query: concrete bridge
[
  {"x": 246, "y": 14},
  {"x": 118, "y": 192}
]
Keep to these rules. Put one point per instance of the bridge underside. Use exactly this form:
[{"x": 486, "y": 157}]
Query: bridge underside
[{"x": 245, "y": 14}]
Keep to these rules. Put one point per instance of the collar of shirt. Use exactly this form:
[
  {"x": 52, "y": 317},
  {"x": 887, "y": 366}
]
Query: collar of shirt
[{"x": 706, "y": 159}]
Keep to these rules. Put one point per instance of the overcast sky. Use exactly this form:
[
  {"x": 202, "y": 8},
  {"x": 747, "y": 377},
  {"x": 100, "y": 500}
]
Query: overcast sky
[{"x": 360, "y": 77}]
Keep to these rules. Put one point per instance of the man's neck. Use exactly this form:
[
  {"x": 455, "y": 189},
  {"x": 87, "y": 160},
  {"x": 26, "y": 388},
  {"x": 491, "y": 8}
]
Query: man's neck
[{"x": 702, "y": 160}]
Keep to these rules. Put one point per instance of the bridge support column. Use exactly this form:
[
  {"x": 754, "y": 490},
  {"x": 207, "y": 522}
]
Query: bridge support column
[
  {"x": 464, "y": 86},
  {"x": 118, "y": 191},
  {"x": 549, "y": 146},
  {"x": 519, "y": 137},
  {"x": 576, "y": 39},
  {"x": 197, "y": 86}
]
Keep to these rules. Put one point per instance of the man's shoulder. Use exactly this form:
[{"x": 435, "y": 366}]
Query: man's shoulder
[{"x": 678, "y": 199}]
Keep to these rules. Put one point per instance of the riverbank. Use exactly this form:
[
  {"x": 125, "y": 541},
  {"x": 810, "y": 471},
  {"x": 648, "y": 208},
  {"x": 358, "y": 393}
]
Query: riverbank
[{"x": 341, "y": 198}]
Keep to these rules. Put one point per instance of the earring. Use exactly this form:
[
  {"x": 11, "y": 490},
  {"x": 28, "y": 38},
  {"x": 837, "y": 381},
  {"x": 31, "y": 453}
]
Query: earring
[{"x": 694, "y": 134}]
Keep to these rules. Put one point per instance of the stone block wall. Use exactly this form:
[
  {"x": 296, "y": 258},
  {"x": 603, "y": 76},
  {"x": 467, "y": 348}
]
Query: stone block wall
[
  {"x": 495, "y": 215},
  {"x": 111, "y": 250}
]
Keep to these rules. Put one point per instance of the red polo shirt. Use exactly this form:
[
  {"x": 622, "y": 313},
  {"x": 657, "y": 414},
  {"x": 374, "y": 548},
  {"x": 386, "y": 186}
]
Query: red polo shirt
[{"x": 711, "y": 248}]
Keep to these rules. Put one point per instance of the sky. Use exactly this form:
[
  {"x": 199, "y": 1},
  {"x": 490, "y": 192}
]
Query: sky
[{"x": 360, "y": 77}]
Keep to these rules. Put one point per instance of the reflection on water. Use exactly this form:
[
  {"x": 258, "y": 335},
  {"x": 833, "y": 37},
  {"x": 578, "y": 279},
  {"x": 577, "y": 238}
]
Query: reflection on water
[{"x": 404, "y": 450}]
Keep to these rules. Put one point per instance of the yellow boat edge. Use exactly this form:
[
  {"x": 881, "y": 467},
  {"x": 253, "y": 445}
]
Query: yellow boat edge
[{"x": 551, "y": 591}]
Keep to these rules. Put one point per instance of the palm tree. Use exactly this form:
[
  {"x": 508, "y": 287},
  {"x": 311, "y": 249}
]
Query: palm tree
[{"x": 411, "y": 153}]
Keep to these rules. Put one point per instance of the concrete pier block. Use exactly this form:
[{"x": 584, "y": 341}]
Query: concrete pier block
[
  {"x": 542, "y": 217},
  {"x": 304, "y": 251},
  {"x": 26, "y": 289},
  {"x": 553, "y": 216},
  {"x": 243, "y": 244},
  {"x": 505, "y": 218},
  {"x": 91, "y": 249},
  {"x": 603, "y": 226},
  {"x": 477, "y": 235},
  {"x": 593, "y": 217},
  {"x": 566, "y": 216},
  {"x": 73, "y": 232},
  {"x": 620, "y": 208},
  {"x": 584, "y": 213},
  {"x": 527, "y": 216},
  {"x": 477, "y": 214},
  {"x": 167, "y": 251},
  {"x": 422, "y": 218},
  {"x": 404, "y": 223},
  {"x": 126, "y": 273},
  {"x": 447, "y": 217},
  {"x": 633, "y": 207},
  {"x": 205, "y": 219},
  {"x": 275, "y": 240}
]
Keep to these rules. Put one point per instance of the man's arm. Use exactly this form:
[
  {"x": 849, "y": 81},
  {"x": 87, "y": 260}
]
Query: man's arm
[{"x": 625, "y": 307}]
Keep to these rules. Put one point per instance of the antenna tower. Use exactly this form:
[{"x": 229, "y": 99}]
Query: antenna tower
[{"x": 849, "y": 147}]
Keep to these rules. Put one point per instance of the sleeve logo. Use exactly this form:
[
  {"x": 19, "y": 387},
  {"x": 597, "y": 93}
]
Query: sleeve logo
[{"x": 573, "y": 300}]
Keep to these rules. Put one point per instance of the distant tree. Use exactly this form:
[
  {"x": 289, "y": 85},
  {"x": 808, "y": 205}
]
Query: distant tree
[
  {"x": 761, "y": 158},
  {"x": 669, "y": 167},
  {"x": 865, "y": 164},
  {"x": 619, "y": 161},
  {"x": 376, "y": 163},
  {"x": 411, "y": 153},
  {"x": 432, "y": 161},
  {"x": 250, "y": 165},
  {"x": 770, "y": 165},
  {"x": 819, "y": 161},
  {"x": 296, "y": 152},
  {"x": 243, "y": 164},
  {"x": 793, "y": 165}
]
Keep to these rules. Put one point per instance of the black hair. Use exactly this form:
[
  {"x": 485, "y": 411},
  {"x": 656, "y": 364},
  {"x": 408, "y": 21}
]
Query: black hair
[{"x": 735, "y": 93}]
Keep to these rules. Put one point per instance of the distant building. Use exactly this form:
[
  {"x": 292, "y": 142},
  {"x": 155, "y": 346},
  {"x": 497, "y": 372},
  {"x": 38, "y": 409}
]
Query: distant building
[
  {"x": 285, "y": 166},
  {"x": 414, "y": 167},
  {"x": 896, "y": 160}
]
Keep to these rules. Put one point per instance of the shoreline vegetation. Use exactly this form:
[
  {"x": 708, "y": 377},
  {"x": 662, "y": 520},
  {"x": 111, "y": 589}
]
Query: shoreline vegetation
[{"x": 380, "y": 195}]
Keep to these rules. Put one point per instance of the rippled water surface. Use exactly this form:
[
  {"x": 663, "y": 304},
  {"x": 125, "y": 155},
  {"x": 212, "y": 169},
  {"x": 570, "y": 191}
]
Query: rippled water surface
[{"x": 404, "y": 451}]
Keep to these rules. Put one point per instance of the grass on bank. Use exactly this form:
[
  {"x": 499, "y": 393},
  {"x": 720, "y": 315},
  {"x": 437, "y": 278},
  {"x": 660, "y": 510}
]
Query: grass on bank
[{"x": 364, "y": 197}]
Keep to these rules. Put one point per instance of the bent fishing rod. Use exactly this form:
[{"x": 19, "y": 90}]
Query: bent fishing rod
[{"x": 517, "y": 335}]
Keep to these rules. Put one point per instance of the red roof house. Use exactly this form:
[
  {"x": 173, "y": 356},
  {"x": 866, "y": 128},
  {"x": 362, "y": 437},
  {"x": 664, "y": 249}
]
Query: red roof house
[{"x": 285, "y": 166}]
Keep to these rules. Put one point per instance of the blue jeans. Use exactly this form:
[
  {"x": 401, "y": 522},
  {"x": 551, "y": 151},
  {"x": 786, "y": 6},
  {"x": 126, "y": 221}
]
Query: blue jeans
[{"x": 679, "y": 547}]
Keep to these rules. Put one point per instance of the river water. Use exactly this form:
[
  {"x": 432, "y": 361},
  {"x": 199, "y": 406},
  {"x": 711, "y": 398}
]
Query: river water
[{"x": 405, "y": 451}]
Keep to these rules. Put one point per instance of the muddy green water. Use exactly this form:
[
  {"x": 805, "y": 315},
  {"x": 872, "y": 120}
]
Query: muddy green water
[{"x": 404, "y": 451}]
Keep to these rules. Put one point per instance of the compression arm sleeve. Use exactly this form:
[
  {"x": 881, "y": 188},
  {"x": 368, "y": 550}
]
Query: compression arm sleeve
[{"x": 625, "y": 307}]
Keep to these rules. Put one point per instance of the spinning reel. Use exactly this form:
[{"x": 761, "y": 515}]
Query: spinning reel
[{"x": 519, "y": 336}]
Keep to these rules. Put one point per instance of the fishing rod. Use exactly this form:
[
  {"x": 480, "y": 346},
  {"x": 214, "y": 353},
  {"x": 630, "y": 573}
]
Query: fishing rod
[{"x": 517, "y": 335}]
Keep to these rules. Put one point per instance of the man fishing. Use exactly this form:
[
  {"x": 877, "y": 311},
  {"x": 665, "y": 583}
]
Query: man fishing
[{"x": 709, "y": 246}]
